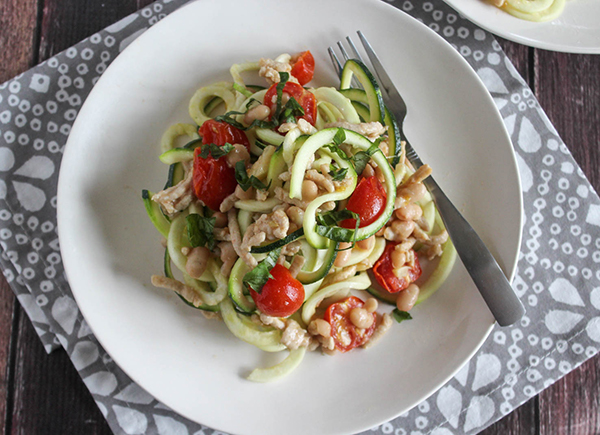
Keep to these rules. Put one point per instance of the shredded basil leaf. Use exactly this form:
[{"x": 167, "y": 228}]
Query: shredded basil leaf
[
  {"x": 401, "y": 316},
  {"x": 257, "y": 277},
  {"x": 246, "y": 182},
  {"x": 215, "y": 151},
  {"x": 338, "y": 174},
  {"x": 340, "y": 137},
  {"x": 361, "y": 158},
  {"x": 327, "y": 226},
  {"x": 200, "y": 230}
]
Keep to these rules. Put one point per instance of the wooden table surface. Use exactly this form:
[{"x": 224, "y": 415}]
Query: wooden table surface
[{"x": 43, "y": 394}]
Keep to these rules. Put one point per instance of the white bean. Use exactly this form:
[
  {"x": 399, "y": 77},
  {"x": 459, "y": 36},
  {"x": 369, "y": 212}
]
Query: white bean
[
  {"x": 407, "y": 298},
  {"x": 361, "y": 318},
  {"x": 260, "y": 112},
  {"x": 343, "y": 255},
  {"x": 310, "y": 190}
]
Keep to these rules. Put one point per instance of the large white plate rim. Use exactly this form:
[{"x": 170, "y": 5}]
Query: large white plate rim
[{"x": 509, "y": 262}]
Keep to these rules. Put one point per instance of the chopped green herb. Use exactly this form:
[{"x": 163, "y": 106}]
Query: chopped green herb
[
  {"x": 338, "y": 174},
  {"x": 246, "y": 182},
  {"x": 327, "y": 226},
  {"x": 340, "y": 137},
  {"x": 257, "y": 277},
  {"x": 401, "y": 316},
  {"x": 200, "y": 230},
  {"x": 361, "y": 158},
  {"x": 215, "y": 151}
]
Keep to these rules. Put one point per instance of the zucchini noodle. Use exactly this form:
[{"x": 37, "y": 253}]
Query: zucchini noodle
[{"x": 316, "y": 200}]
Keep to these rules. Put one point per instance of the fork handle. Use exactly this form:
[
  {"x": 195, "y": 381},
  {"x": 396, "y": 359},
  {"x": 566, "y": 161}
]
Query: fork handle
[{"x": 478, "y": 260}]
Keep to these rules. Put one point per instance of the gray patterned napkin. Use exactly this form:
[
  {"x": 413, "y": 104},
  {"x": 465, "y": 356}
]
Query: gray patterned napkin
[{"x": 558, "y": 278}]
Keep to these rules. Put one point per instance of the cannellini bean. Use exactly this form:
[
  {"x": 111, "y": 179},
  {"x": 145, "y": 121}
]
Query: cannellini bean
[
  {"x": 239, "y": 153},
  {"x": 260, "y": 112},
  {"x": 220, "y": 219},
  {"x": 361, "y": 318},
  {"x": 398, "y": 258},
  {"x": 310, "y": 190},
  {"x": 296, "y": 215},
  {"x": 343, "y": 255},
  {"x": 402, "y": 229},
  {"x": 196, "y": 261},
  {"x": 407, "y": 298},
  {"x": 371, "y": 305},
  {"x": 409, "y": 212},
  {"x": 366, "y": 244},
  {"x": 320, "y": 327}
]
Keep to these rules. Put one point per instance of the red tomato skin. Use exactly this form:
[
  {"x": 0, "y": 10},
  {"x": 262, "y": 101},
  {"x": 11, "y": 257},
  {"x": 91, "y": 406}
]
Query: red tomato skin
[
  {"x": 304, "y": 67},
  {"x": 368, "y": 201},
  {"x": 214, "y": 180},
  {"x": 281, "y": 296},
  {"x": 345, "y": 335},
  {"x": 305, "y": 98},
  {"x": 383, "y": 271}
]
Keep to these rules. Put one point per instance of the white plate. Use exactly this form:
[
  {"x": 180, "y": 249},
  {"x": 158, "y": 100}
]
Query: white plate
[
  {"x": 110, "y": 248},
  {"x": 577, "y": 30}
]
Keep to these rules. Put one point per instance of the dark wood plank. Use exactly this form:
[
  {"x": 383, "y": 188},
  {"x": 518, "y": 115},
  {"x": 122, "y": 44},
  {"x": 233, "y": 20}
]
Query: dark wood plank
[
  {"x": 66, "y": 22},
  {"x": 570, "y": 407},
  {"x": 568, "y": 89},
  {"x": 7, "y": 349},
  {"x": 17, "y": 36},
  {"x": 522, "y": 421}
]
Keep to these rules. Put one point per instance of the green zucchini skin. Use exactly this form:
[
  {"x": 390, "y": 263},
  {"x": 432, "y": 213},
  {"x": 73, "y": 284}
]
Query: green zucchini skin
[
  {"x": 279, "y": 243},
  {"x": 241, "y": 302},
  {"x": 161, "y": 223},
  {"x": 323, "y": 270}
]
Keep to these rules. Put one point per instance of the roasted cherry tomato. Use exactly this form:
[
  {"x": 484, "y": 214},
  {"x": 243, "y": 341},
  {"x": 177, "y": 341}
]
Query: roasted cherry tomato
[
  {"x": 213, "y": 179},
  {"x": 306, "y": 99},
  {"x": 281, "y": 296},
  {"x": 303, "y": 67},
  {"x": 346, "y": 335},
  {"x": 368, "y": 201},
  {"x": 384, "y": 271}
]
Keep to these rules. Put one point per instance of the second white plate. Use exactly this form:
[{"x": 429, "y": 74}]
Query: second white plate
[{"x": 577, "y": 30}]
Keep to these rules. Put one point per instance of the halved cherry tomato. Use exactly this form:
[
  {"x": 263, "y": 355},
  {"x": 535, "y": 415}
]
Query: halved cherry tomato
[
  {"x": 346, "y": 335},
  {"x": 306, "y": 99},
  {"x": 214, "y": 180},
  {"x": 303, "y": 67},
  {"x": 281, "y": 296},
  {"x": 368, "y": 201},
  {"x": 384, "y": 271}
]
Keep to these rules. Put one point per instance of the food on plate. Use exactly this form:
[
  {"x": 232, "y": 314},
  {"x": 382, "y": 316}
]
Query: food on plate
[
  {"x": 291, "y": 212},
  {"x": 532, "y": 10}
]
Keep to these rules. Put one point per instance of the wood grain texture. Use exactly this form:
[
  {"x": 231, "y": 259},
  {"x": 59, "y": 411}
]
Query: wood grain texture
[
  {"x": 568, "y": 89},
  {"x": 17, "y": 37},
  {"x": 7, "y": 348}
]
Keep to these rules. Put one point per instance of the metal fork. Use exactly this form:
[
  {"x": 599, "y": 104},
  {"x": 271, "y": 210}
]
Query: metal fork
[{"x": 479, "y": 262}]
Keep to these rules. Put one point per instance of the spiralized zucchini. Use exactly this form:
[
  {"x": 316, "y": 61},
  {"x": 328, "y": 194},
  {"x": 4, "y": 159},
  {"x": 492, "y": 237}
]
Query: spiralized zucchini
[{"x": 272, "y": 215}]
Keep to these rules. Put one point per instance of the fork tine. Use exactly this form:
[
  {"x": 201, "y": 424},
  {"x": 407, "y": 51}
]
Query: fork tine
[
  {"x": 377, "y": 66},
  {"x": 343, "y": 50},
  {"x": 336, "y": 63},
  {"x": 353, "y": 47},
  {"x": 382, "y": 77}
]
